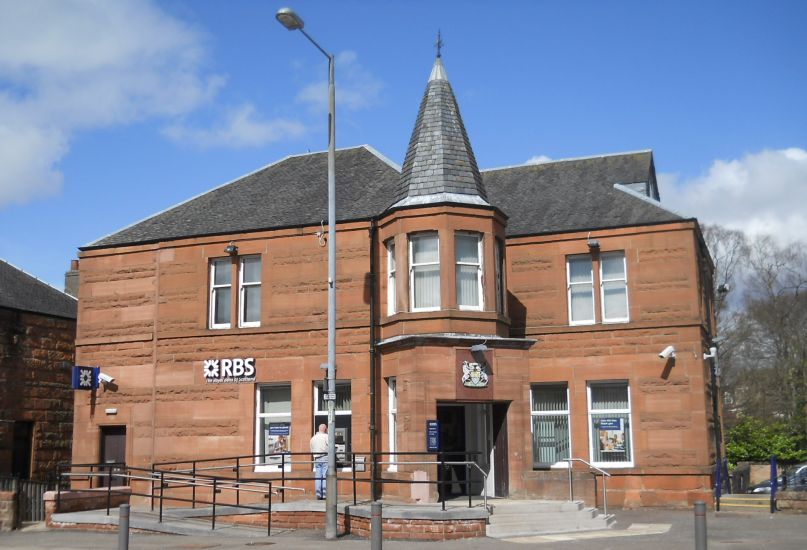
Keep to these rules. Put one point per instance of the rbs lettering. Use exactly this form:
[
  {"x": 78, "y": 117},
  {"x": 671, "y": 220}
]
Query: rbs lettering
[{"x": 235, "y": 371}]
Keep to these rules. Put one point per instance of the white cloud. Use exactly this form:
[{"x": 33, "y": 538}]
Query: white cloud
[
  {"x": 760, "y": 193},
  {"x": 538, "y": 159},
  {"x": 242, "y": 127},
  {"x": 356, "y": 87},
  {"x": 77, "y": 65}
]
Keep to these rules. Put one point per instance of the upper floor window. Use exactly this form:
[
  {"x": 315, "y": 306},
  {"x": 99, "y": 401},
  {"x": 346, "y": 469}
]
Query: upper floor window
[
  {"x": 580, "y": 287},
  {"x": 500, "y": 286},
  {"x": 391, "y": 291},
  {"x": 220, "y": 292},
  {"x": 424, "y": 272},
  {"x": 613, "y": 284},
  {"x": 613, "y": 287},
  {"x": 249, "y": 291},
  {"x": 468, "y": 254}
]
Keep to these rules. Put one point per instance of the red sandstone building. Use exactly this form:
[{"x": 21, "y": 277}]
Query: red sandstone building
[
  {"x": 211, "y": 317},
  {"x": 37, "y": 335}
]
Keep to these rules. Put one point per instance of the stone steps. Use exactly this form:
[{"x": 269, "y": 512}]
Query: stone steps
[
  {"x": 526, "y": 518},
  {"x": 746, "y": 502}
]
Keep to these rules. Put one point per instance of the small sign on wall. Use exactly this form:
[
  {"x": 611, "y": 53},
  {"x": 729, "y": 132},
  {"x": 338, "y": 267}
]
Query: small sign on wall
[
  {"x": 433, "y": 436},
  {"x": 85, "y": 378}
]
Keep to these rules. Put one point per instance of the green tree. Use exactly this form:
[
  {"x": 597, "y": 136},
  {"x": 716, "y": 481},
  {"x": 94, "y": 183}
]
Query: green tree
[{"x": 753, "y": 440}]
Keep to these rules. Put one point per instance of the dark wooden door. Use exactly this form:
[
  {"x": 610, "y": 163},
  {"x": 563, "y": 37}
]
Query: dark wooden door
[
  {"x": 113, "y": 451},
  {"x": 21, "y": 452},
  {"x": 500, "y": 455}
]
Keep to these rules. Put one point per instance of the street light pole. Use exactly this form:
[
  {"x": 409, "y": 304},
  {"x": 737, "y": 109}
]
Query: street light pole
[{"x": 289, "y": 19}]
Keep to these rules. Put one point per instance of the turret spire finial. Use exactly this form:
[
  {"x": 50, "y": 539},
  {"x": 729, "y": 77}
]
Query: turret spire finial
[{"x": 439, "y": 43}]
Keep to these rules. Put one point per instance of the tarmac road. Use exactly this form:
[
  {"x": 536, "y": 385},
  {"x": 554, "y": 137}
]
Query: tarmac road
[{"x": 634, "y": 530}]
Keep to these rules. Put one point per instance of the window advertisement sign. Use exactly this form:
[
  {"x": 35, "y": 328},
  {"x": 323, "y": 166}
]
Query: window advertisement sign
[
  {"x": 612, "y": 435},
  {"x": 277, "y": 440}
]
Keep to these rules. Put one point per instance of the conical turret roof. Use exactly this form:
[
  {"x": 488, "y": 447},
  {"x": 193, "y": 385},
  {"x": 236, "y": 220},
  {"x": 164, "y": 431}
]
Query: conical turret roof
[{"x": 440, "y": 165}]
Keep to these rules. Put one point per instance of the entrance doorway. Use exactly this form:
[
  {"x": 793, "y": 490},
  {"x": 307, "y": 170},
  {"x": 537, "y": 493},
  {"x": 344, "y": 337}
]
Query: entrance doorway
[
  {"x": 21, "y": 451},
  {"x": 480, "y": 428},
  {"x": 113, "y": 450}
]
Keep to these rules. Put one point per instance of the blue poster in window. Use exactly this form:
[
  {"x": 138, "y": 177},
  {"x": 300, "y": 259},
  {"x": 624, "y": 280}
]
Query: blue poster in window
[
  {"x": 433, "y": 436},
  {"x": 279, "y": 428},
  {"x": 612, "y": 435}
]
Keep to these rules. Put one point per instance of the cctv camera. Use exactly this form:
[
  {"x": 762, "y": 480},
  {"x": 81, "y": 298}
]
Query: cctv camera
[
  {"x": 105, "y": 378},
  {"x": 667, "y": 352}
]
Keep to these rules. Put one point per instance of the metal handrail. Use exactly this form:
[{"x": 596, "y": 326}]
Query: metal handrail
[{"x": 605, "y": 476}]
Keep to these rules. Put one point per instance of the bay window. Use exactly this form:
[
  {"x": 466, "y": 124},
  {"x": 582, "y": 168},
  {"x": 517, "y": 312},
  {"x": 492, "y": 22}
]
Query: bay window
[
  {"x": 468, "y": 256},
  {"x": 424, "y": 278},
  {"x": 391, "y": 270}
]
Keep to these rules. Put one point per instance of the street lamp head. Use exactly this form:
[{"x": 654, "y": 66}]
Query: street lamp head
[{"x": 289, "y": 19}]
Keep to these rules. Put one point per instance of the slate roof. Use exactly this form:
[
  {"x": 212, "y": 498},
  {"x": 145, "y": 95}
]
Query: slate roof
[
  {"x": 439, "y": 159},
  {"x": 292, "y": 192},
  {"x": 18, "y": 290},
  {"x": 575, "y": 194}
]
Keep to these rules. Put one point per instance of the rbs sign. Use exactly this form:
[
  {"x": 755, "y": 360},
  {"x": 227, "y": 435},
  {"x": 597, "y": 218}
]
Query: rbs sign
[{"x": 234, "y": 371}]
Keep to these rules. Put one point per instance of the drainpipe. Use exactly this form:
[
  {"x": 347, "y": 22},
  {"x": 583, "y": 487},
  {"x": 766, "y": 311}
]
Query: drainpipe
[{"x": 373, "y": 360}]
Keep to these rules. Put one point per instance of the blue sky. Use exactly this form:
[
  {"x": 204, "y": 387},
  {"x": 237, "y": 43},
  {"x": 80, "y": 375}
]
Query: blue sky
[{"x": 113, "y": 111}]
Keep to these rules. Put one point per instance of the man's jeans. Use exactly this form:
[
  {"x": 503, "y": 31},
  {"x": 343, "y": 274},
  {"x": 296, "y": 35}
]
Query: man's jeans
[{"x": 321, "y": 470}]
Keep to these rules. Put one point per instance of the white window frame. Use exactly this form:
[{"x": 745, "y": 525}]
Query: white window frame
[
  {"x": 392, "y": 418},
  {"x": 392, "y": 294},
  {"x": 479, "y": 271},
  {"x": 413, "y": 265},
  {"x": 592, "y": 442},
  {"x": 567, "y": 412},
  {"x": 259, "y": 416},
  {"x": 624, "y": 279},
  {"x": 569, "y": 284},
  {"x": 242, "y": 286},
  {"x": 214, "y": 287}
]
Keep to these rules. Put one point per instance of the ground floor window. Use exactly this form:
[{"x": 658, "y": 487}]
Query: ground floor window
[
  {"x": 609, "y": 420},
  {"x": 273, "y": 426},
  {"x": 550, "y": 425},
  {"x": 342, "y": 418},
  {"x": 392, "y": 422}
]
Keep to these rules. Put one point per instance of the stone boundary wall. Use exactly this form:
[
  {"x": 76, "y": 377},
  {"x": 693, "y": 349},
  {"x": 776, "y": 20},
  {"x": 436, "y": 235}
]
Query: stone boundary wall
[
  {"x": 792, "y": 501},
  {"x": 8, "y": 511},
  {"x": 393, "y": 528},
  {"x": 78, "y": 501}
]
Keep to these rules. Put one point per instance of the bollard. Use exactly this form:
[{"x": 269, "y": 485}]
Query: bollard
[
  {"x": 700, "y": 525},
  {"x": 376, "y": 535},
  {"x": 123, "y": 527}
]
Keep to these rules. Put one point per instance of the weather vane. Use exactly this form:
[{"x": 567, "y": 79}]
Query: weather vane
[{"x": 439, "y": 43}]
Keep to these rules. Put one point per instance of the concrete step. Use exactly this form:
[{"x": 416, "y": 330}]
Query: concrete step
[
  {"x": 526, "y": 518},
  {"x": 533, "y": 506},
  {"x": 541, "y": 517}
]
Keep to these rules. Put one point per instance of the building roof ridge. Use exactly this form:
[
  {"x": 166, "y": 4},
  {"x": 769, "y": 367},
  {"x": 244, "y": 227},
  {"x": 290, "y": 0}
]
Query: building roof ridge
[{"x": 567, "y": 159}]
